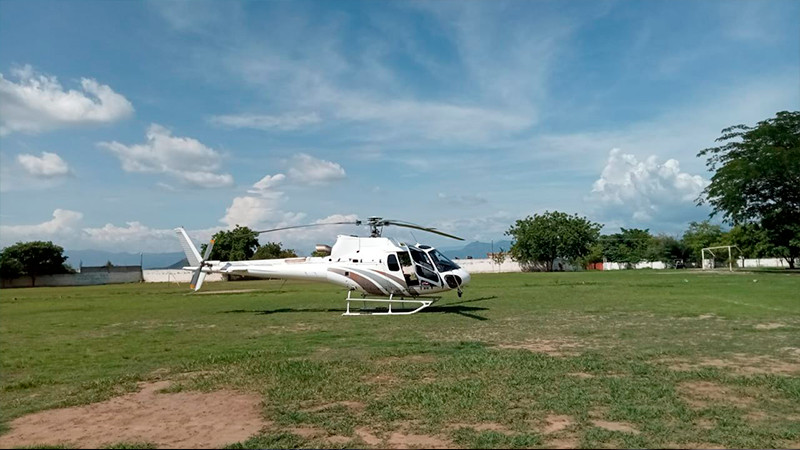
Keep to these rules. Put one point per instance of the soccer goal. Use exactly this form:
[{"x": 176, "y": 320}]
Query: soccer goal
[{"x": 720, "y": 257}]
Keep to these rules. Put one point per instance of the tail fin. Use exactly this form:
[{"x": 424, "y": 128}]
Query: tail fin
[{"x": 192, "y": 255}]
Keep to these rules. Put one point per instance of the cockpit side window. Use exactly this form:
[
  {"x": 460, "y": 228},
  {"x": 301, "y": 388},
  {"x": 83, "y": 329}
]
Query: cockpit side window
[{"x": 391, "y": 261}]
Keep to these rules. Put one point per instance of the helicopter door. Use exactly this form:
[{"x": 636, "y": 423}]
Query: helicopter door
[
  {"x": 407, "y": 267},
  {"x": 424, "y": 269}
]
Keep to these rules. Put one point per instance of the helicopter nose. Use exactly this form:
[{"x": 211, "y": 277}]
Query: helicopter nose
[{"x": 464, "y": 276}]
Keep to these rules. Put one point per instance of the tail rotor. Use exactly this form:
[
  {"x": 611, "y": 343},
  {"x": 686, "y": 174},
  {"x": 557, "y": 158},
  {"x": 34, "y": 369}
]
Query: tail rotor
[{"x": 199, "y": 276}]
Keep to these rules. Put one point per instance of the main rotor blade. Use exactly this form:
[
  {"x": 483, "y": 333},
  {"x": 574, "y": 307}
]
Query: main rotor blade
[
  {"x": 208, "y": 250},
  {"x": 357, "y": 222},
  {"x": 419, "y": 227},
  {"x": 195, "y": 278}
]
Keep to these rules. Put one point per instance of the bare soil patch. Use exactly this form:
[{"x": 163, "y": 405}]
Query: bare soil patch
[
  {"x": 615, "y": 426},
  {"x": 700, "y": 394},
  {"x": 357, "y": 406},
  {"x": 564, "y": 442},
  {"x": 552, "y": 347},
  {"x": 739, "y": 363},
  {"x": 179, "y": 420},
  {"x": 556, "y": 423},
  {"x": 403, "y": 440},
  {"x": 769, "y": 326},
  {"x": 581, "y": 375}
]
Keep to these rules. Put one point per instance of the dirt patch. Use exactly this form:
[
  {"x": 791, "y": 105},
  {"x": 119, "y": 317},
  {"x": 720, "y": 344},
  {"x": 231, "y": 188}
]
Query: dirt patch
[
  {"x": 705, "y": 424},
  {"x": 769, "y": 326},
  {"x": 367, "y": 436},
  {"x": 739, "y": 363},
  {"x": 582, "y": 375},
  {"x": 180, "y": 420},
  {"x": 403, "y": 440},
  {"x": 706, "y": 316},
  {"x": 565, "y": 442},
  {"x": 356, "y": 406},
  {"x": 484, "y": 426},
  {"x": 407, "y": 359},
  {"x": 615, "y": 426},
  {"x": 550, "y": 347},
  {"x": 699, "y": 394},
  {"x": 556, "y": 423},
  {"x": 755, "y": 416}
]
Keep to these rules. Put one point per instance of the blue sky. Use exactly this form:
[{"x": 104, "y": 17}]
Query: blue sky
[{"x": 122, "y": 120}]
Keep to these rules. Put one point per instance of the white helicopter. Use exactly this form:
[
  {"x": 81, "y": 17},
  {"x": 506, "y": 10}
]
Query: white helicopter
[{"x": 399, "y": 273}]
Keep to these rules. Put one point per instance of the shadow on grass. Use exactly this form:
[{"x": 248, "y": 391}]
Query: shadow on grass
[{"x": 466, "y": 311}]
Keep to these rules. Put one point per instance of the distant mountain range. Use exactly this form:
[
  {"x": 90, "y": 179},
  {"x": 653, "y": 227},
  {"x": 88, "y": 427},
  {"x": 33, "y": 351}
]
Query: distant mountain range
[
  {"x": 75, "y": 258},
  {"x": 176, "y": 260},
  {"x": 475, "y": 249}
]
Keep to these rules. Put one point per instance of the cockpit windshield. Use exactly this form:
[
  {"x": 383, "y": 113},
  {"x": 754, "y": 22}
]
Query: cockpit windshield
[{"x": 443, "y": 264}]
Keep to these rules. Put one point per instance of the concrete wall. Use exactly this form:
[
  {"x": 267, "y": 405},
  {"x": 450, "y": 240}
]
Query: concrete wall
[
  {"x": 766, "y": 262},
  {"x": 175, "y": 276},
  {"x": 76, "y": 279},
  {"x": 640, "y": 265}
]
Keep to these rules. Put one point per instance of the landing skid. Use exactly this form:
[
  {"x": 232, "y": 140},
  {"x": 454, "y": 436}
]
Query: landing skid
[{"x": 420, "y": 304}]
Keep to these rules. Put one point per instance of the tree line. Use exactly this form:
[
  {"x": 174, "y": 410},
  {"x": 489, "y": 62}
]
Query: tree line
[{"x": 755, "y": 189}]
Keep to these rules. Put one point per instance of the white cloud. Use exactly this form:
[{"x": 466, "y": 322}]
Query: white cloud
[
  {"x": 309, "y": 170},
  {"x": 134, "y": 232},
  {"x": 267, "y": 183},
  {"x": 184, "y": 158},
  {"x": 646, "y": 192},
  {"x": 47, "y": 166},
  {"x": 39, "y": 103},
  {"x": 285, "y": 122},
  {"x": 254, "y": 211},
  {"x": 62, "y": 224}
]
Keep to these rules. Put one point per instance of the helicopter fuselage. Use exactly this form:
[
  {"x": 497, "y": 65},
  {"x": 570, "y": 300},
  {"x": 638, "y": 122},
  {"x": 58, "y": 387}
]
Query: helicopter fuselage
[{"x": 371, "y": 265}]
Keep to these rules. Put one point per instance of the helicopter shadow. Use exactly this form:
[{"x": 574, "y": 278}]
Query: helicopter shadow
[{"x": 457, "y": 308}]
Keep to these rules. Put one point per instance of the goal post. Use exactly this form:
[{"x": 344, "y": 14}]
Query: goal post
[{"x": 718, "y": 257}]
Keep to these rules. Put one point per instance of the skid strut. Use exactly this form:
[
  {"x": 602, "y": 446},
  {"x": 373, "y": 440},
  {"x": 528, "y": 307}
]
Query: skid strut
[{"x": 420, "y": 305}]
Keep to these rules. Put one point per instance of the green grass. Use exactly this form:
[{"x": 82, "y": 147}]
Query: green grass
[{"x": 515, "y": 351}]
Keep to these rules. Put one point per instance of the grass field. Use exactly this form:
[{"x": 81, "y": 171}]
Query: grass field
[{"x": 601, "y": 359}]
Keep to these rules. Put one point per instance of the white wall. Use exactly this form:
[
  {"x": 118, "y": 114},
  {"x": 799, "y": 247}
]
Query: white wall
[
  {"x": 765, "y": 262},
  {"x": 175, "y": 276},
  {"x": 639, "y": 265},
  {"x": 76, "y": 279},
  {"x": 487, "y": 265}
]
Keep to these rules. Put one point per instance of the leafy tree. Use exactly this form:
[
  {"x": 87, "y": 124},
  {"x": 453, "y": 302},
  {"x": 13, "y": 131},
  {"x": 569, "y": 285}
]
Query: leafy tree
[
  {"x": 319, "y": 253},
  {"x": 666, "y": 249},
  {"x": 700, "y": 235},
  {"x": 234, "y": 245},
  {"x": 630, "y": 246},
  {"x": 33, "y": 259},
  {"x": 273, "y": 250},
  {"x": 499, "y": 257},
  {"x": 757, "y": 179},
  {"x": 752, "y": 240},
  {"x": 544, "y": 237}
]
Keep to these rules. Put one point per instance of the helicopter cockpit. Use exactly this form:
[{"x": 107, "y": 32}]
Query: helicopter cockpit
[{"x": 425, "y": 266}]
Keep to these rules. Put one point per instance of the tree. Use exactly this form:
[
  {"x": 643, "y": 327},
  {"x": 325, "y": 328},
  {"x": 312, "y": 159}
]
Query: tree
[
  {"x": 273, "y": 250},
  {"x": 499, "y": 257},
  {"x": 751, "y": 239},
  {"x": 630, "y": 246},
  {"x": 701, "y": 235},
  {"x": 666, "y": 249},
  {"x": 234, "y": 245},
  {"x": 757, "y": 179},
  {"x": 33, "y": 259},
  {"x": 544, "y": 237}
]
